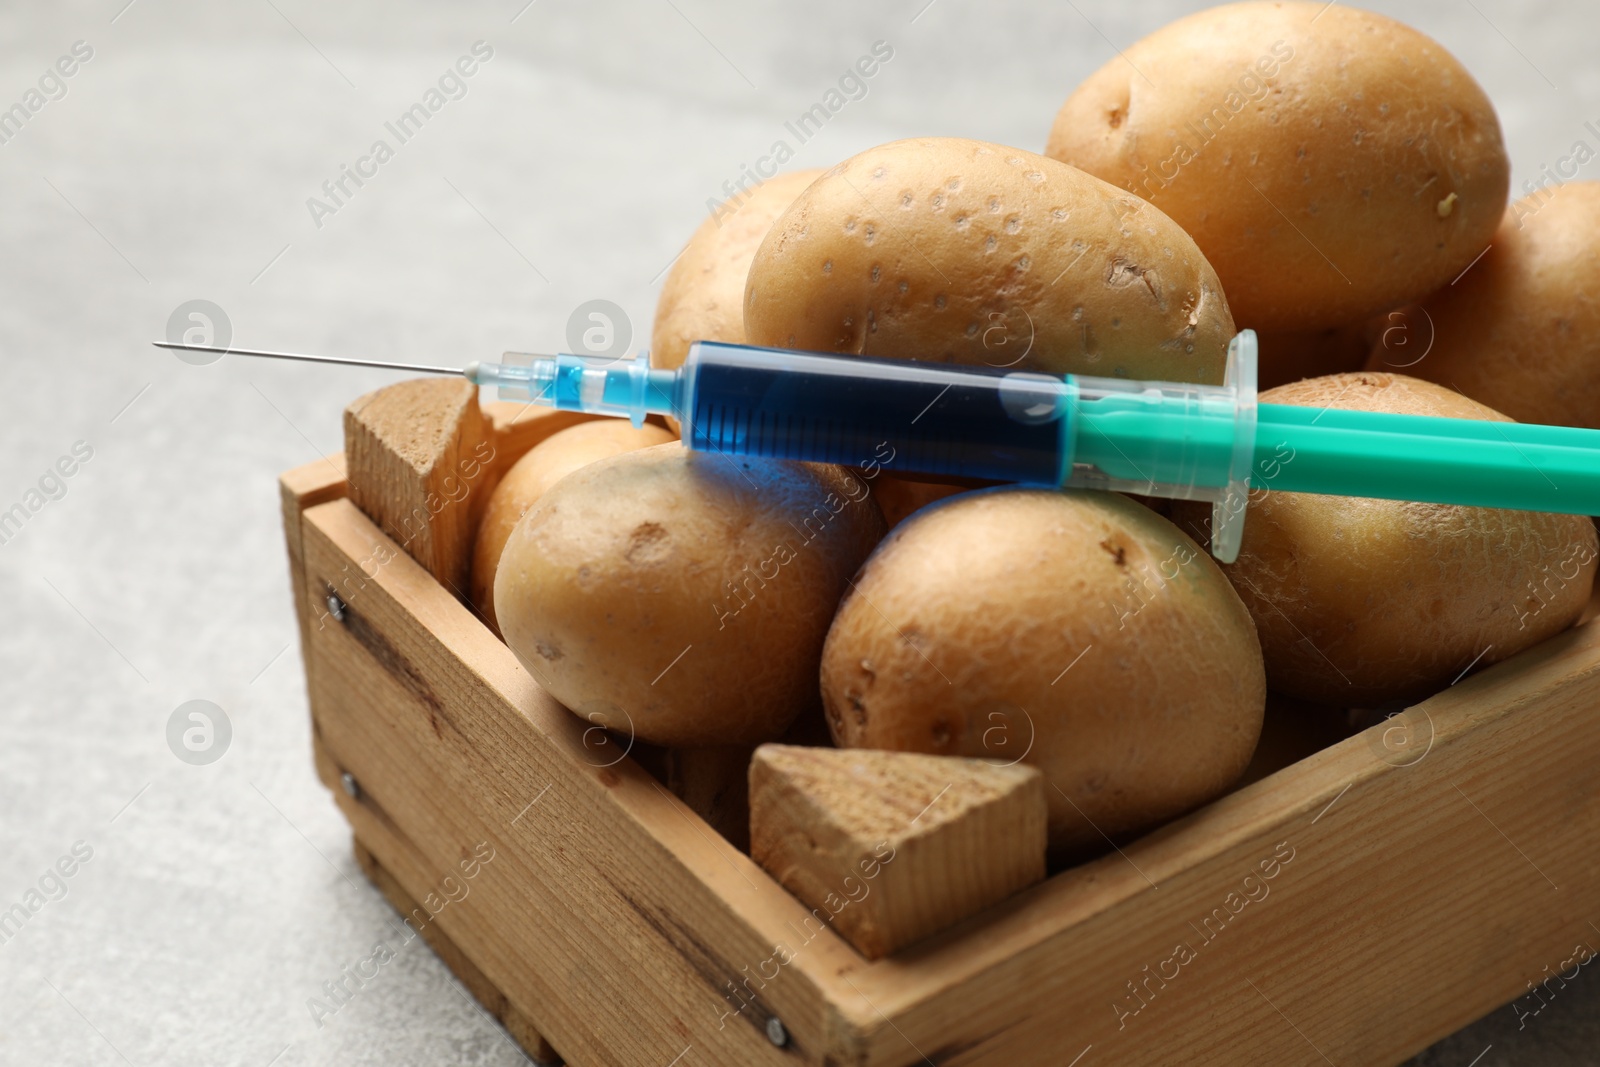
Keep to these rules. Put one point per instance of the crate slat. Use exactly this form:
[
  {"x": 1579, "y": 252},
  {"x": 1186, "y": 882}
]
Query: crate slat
[
  {"x": 493, "y": 1001},
  {"x": 1418, "y": 898},
  {"x": 612, "y": 915}
]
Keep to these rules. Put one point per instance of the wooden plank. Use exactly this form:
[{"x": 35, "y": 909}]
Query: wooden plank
[
  {"x": 1438, "y": 861},
  {"x": 304, "y": 487},
  {"x": 895, "y": 846},
  {"x": 399, "y": 871},
  {"x": 614, "y": 879},
  {"x": 627, "y": 925},
  {"x": 420, "y": 455},
  {"x": 494, "y": 1002}
]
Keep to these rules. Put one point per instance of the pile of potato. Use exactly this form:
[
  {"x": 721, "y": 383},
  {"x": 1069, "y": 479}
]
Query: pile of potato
[{"x": 1313, "y": 172}]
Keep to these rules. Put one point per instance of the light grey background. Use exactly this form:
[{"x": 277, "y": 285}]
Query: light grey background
[{"x": 219, "y": 898}]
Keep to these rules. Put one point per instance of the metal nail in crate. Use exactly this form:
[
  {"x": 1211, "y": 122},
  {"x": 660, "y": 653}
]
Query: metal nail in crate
[{"x": 1420, "y": 869}]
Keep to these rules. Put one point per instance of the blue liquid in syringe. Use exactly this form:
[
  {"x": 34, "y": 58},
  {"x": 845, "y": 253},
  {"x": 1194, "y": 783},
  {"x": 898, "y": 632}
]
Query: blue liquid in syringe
[{"x": 994, "y": 424}]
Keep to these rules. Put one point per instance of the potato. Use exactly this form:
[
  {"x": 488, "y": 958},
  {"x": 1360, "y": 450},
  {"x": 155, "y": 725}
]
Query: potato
[
  {"x": 1330, "y": 162},
  {"x": 703, "y": 296},
  {"x": 535, "y": 472},
  {"x": 1360, "y": 602},
  {"x": 681, "y": 597},
  {"x": 1080, "y": 629},
  {"x": 957, "y": 251},
  {"x": 1521, "y": 329}
]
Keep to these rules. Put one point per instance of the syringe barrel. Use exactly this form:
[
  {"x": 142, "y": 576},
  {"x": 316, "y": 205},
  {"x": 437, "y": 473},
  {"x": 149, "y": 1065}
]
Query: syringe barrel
[
  {"x": 915, "y": 417},
  {"x": 1169, "y": 439}
]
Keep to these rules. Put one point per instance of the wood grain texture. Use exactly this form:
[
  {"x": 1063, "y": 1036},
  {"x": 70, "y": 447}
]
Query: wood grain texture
[
  {"x": 1421, "y": 872},
  {"x": 894, "y": 846},
  {"x": 303, "y": 487},
  {"x": 1438, "y": 862},
  {"x": 521, "y": 1029},
  {"x": 420, "y": 459}
]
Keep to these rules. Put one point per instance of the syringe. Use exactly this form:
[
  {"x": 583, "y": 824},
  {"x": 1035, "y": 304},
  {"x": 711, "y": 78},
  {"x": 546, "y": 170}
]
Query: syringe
[{"x": 1167, "y": 439}]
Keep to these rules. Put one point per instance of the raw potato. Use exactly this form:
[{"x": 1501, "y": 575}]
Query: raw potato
[
  {"x": 1080, "y": 628},
  {"x": 1521, "y": 329},
  {"x": 1360, "y": 602},
  {"x": 682, "y": 598},
  {"x": 539, "y": 468},
  {"x": 958, "y": 251},
  {"x": 703, "y": 296},
  {"x": 1329, "y": 171}
]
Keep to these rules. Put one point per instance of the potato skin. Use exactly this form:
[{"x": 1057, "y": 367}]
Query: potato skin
[
  {"x": 1359, "y": 602},
  {"x": 530, "y": 477},
  {"x": 1521, "y": 329},
  {"x": 684, "y": 597},
  {"x": 958, "y": 251},
  {"x": 1377, "y": 163},
  {"x": 703, "y": 296},
  {"x": 1079, "y": 627}
]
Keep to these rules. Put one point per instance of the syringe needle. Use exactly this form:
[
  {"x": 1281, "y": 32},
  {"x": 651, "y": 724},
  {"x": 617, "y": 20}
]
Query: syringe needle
[
  {"x": 630, "y": 389},
  {"x": 304, "y": 358}
]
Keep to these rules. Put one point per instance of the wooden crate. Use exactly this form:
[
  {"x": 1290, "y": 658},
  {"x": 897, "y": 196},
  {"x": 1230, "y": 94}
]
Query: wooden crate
[{"x": 1422, "y": 872}]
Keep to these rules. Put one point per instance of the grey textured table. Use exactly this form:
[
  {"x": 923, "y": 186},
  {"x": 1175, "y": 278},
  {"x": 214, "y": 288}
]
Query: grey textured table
[{"x": 217, "y": 900}]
